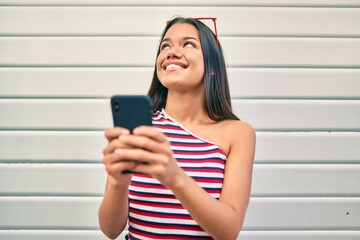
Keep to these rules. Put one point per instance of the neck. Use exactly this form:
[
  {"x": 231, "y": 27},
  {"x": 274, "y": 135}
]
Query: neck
[{"x": 187, "y": 108}]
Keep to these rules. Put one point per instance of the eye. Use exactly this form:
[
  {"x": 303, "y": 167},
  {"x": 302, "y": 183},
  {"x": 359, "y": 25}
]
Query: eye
[
  {"x": 189, "y": 44},
  {"x": 165, "y": 46}
]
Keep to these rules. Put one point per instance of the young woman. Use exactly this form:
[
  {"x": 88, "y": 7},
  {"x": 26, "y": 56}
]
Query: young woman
[{"x": 196, "y": 180}]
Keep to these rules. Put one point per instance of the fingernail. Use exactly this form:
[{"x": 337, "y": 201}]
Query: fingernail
[
  {"x": 118, "y": 151},
  {"x": 135, "y": 130},
  {"x": 125, "y": 131},
  {"x": 123, "y": 137}
]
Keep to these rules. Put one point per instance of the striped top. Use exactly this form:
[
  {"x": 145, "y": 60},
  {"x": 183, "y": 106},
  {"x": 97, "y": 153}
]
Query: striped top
[{"x": 154, "y": 212}]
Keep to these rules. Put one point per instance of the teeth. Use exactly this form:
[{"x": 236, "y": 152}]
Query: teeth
[{"x": 173, "y": 66}]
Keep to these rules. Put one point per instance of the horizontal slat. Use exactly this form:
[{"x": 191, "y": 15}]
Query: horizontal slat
[
  {"x": 74, "y": 82},
  {"x": 320, "y": 147},
  {"x": 244, "y": 235},
  {"x": 303, "y": 214},
  {"x": 186, "y": 2},
  {"x": 52, "y": 179},
  {"x": 257, "y": 21},
  {"x": 136, "y": 51},
  {"x": 299, "y": 235},
  {"x": 73, "y": 213},
  {"x": 63, "y": 113},
  {"x": 84, "y": 146},
  {"x": 287, "y": 115},
  {"x": 306, "y": 180},
  {"x": 244, "y": 82},
  {"x": 55, "y": 235},
  {"x": 85, "y": 114},
  {"x": 312, "y": 180},
  {"x": 294, "y": 83},
  {"x": 49, "y": 146},
  {"x": 51, "y": 51}
]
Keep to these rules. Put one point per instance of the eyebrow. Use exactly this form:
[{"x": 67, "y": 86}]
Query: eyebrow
[{"x": 184, "y": 38}]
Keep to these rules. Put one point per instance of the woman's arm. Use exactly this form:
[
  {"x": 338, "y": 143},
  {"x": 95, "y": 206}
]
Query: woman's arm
[
  {"x": 222, "y": 218},
  {"x": 113, "y": 211}
]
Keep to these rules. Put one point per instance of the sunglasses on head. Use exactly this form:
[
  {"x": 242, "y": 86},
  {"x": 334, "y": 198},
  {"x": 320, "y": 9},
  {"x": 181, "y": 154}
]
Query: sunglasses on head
[{"x": 206, "y": 18}]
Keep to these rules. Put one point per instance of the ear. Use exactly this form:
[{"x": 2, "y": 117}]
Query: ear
[{"x": 212, "y": 72}]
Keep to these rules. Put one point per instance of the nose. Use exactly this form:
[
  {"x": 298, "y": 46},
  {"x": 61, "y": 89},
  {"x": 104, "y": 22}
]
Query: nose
[{"x": 173, "y": 53}]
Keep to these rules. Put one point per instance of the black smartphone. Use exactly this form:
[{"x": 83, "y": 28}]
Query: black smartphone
[{"x": 131, "y": 111}]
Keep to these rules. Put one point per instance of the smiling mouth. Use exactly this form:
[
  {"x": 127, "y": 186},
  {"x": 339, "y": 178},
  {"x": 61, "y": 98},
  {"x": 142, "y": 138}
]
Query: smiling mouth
[{"x": 173, "y": 67}]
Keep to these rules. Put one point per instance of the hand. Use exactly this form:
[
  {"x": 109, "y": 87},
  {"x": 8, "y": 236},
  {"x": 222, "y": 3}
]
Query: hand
[
  {"x": 150, "y": 150},
  {"x": 114, "y": 164}
]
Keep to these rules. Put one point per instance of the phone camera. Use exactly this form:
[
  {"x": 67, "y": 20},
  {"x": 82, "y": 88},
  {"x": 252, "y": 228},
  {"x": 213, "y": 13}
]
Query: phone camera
[{"x": 117, "y": 106}]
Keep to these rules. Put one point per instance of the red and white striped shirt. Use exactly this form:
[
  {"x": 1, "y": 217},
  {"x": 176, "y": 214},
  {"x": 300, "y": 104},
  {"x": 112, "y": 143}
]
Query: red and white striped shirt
[{"x": 154, "y": 212}]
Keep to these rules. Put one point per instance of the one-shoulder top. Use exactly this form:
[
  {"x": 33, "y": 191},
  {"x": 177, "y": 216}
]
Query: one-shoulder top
[{"x": 154, "y": 212}]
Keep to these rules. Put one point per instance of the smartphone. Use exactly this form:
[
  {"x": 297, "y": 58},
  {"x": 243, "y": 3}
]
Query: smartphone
[{"x": 131, "y": 111}]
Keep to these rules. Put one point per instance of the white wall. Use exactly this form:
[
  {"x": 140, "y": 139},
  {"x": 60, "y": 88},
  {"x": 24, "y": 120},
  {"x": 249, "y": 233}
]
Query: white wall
[{"x": 294, "y": 69}]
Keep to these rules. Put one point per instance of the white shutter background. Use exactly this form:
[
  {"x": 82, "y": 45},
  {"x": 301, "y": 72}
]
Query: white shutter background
[{"x": 294, "y": 69}]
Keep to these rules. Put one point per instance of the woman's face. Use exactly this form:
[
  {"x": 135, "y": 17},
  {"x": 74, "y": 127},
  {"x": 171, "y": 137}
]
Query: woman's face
[{"x": 180, "y": 64}]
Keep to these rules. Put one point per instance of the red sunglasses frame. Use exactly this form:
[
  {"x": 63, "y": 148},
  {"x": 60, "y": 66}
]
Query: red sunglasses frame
[{"x": 206, "y": 18}]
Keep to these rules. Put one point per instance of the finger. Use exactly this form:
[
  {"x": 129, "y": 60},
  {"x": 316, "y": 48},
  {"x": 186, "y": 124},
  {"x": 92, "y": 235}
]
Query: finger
[
  {"x": 150, "y": 169},
  {"x": 109, "y": 159},
  {"x": 115, "y": 157},
  {"x": 120, "y": 167},
  {"x": 144, "y": 142},
  {"x": 112, "y": 133},
  {"x": 117, "y": 163},
  {"x": 150, "y": 132},
  {"x": 115, "y": 144},
  {"x": 142, "y": 156}
]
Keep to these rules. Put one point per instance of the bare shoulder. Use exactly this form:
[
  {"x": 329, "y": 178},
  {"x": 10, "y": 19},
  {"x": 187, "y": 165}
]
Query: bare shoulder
[
  {"x": 240, "y": 135},
  {"x": 238, "y": 128}
]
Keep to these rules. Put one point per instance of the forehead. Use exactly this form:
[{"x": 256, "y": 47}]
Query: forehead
[{"x": 181, "y": 30}]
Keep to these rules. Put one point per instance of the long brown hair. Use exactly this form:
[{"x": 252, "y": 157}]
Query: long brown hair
[{"x": 217, "y": 95}]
